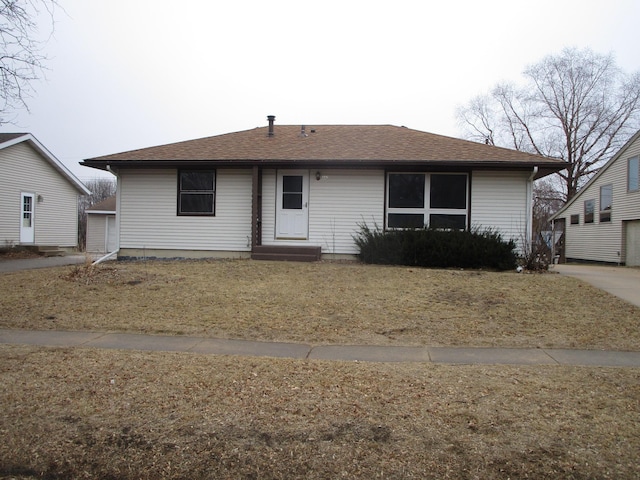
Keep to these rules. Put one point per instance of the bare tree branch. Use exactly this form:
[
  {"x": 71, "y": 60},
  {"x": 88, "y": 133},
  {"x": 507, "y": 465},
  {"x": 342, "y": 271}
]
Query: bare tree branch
[
  {"x": 577, "y": 106},
  {"x": 22, "y": 60}
]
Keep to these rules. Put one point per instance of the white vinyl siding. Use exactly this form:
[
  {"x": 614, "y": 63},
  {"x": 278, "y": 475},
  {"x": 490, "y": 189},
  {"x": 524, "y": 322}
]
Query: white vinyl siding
[
  {"x": 499, "y": 202},
  {"x": 603, "y": 241},
  {"x": 149, "y": 220},
  {"x": 23, "y": 169},
  {"x": 341, "y": 201},
  {"x": 594, "y": 241},
  {"x": 338, "y": 203}
]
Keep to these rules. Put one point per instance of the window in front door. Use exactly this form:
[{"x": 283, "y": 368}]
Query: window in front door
[{"x": 292, "y": 192}]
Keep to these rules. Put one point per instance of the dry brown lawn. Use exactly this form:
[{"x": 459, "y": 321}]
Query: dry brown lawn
[
  {"x": 321, "y": 303},
  {"x": 99, "y": 414},
  {"x": 75, "y": 413}
]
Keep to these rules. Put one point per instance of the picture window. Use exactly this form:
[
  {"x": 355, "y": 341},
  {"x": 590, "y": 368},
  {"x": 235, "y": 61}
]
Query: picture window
[{"x": 418, "y": 200}]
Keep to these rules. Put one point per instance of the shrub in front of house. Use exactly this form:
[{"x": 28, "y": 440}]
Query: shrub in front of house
[{"x": 434, "y": 248}]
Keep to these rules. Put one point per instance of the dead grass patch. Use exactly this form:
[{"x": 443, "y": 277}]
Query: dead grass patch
[
  {"x": 75, "y": 413},
  {"x": 321, "y": 303}
]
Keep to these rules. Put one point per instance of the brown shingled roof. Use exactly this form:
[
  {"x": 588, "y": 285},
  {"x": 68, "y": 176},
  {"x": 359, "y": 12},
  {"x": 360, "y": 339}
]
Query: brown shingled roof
[
  {"x": 106, "y": 205},
  {"x": 343, "y": 144},
  {"x": 5, "y": 137}
]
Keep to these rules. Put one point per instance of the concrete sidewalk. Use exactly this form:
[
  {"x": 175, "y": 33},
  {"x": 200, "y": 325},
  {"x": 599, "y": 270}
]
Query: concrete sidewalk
[{"x": 360, "y": 353}]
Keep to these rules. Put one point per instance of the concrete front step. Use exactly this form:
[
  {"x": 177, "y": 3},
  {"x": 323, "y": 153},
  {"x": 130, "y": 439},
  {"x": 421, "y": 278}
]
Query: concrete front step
[
  {"x": 49, "y": 251},
  {"x": 286, "y": 253}
]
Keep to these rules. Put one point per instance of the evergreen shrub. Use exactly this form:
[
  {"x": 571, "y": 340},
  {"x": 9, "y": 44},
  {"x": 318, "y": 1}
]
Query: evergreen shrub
[{"x": 434, "y": 248}]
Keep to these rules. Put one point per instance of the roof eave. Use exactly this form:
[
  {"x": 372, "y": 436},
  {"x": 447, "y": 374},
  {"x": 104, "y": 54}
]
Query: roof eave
[{"x": 544, "y": 167}]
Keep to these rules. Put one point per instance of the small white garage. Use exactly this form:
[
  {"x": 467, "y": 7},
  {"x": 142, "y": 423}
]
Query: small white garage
[{"x": 102, "y": 234}]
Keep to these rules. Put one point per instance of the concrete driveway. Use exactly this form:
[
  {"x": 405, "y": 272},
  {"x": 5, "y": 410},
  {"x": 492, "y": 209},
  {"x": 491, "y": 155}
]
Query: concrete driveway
[
  {"x": 40, "y": 262},
  {"x": 623, "y": 282}
]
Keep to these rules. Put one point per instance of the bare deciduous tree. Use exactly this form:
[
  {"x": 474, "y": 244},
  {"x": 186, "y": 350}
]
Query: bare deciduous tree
[
  {"x": 21, "y": 57},
  {"x": 101, "y": 189},
  {"x": 577, "y": 106}
]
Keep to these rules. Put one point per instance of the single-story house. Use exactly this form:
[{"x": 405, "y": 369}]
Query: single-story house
[
  {"x": 602, "y": 221},
  {"x": 101, "y": 227},
  {"x": 301, "y": 189},
  {"x": 38, "y": 195}
]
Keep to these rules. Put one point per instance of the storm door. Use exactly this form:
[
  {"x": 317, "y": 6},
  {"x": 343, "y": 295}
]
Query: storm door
[
  {"x": 27, "y": 227},
  {"x": 292, "y": 209}
]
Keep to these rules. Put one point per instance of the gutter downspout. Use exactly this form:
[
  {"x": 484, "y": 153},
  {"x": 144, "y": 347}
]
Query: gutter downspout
[
  {"x": 529, "y": 219},
  {"x": 115, "y": 252}
]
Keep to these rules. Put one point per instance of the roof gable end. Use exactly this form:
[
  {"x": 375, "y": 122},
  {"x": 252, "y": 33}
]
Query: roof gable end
[
  {"x": 10, "y": 139},
  {"x": 619, "y": 154}
]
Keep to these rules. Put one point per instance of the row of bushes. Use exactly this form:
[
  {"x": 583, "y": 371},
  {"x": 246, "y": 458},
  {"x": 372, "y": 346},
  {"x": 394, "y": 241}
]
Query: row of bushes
[{"x": 436, "y": 248}]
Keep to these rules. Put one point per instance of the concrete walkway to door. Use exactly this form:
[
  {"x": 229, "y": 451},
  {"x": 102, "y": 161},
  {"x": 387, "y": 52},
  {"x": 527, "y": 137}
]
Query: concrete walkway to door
[{"x": 623, "y": 282}]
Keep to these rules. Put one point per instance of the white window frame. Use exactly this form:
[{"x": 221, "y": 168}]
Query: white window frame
[{"x": 636, "y": 170}]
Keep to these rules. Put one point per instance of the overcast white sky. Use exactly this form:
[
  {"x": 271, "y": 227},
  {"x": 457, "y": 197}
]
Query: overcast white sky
[{"x": 127, "y": 74}]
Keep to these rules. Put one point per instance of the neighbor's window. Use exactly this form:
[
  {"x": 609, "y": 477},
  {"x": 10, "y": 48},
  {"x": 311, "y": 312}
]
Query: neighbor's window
[
  {"x": 633, "y": 174},
  {"x": 575, "y": 219},
  {"x": 589, "y": 208},
  {"x": 416, "y": 200},
  {"x": 606, "y": 200},
  {"x": 196, "y": 192}
]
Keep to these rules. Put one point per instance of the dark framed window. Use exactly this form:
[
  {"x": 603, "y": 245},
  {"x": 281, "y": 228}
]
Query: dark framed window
[
  {"x": 196, "y": 192},
  {"x": 606, "y": 202},
  {"x": 589, "y": 209},
  {"x": 575, "y": 219},
  {"x": 633, "y": 174}
]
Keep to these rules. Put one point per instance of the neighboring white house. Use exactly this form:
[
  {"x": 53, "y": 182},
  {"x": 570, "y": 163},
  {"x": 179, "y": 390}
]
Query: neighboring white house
[
  {"x": 38, "y": 195},
  {"x": 296, "y": 189},
  {"x": 602, "y": 221},
  {"x": 102, "y": 235}
]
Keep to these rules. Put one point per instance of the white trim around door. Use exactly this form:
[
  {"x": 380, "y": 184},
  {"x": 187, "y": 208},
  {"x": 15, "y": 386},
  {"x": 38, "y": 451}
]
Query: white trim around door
[{"x": 27, "y": 217}]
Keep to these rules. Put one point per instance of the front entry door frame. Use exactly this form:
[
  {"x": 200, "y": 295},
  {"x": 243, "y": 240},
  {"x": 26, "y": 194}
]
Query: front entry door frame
[
  {"x": 292, "y": 205},
  {"x": 27, "y": 217}
]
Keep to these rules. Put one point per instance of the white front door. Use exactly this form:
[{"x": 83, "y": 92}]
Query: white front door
[
  {"x": 27, "y": 225},
  {"x": 292, "y": 212}
]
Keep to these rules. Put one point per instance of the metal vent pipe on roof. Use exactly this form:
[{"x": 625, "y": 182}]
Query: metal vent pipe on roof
[{"x": 271, "y": 119}]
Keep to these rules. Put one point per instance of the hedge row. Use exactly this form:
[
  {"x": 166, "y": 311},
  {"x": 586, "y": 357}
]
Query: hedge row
[{"x": 436, "y": 248}]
